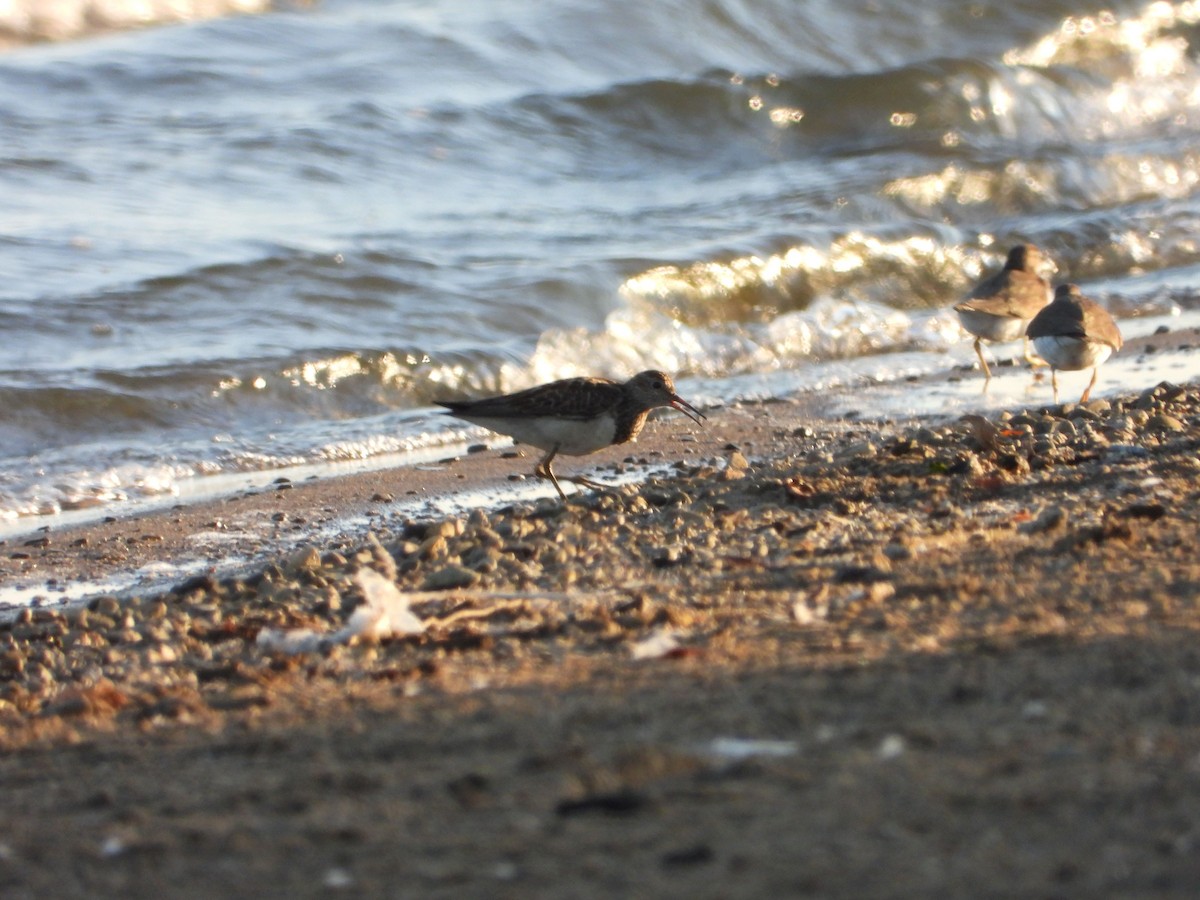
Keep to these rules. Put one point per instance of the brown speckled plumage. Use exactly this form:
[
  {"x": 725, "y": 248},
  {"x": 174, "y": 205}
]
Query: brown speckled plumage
[
  {"x": 1074, "y": 315},
  {"x": 571, "y": 398},
  {"x": 574, "y": 416},
  {"x": 1074, "y": 332}
]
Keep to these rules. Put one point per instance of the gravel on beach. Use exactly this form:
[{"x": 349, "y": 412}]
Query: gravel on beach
[{"x": 864, "y": 660}]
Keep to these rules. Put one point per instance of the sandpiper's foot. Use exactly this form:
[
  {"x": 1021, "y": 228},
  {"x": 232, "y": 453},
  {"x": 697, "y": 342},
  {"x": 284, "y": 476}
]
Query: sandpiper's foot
[
  {"x": 589, "y": 483},
  {"x": 1087, "y": 391}
]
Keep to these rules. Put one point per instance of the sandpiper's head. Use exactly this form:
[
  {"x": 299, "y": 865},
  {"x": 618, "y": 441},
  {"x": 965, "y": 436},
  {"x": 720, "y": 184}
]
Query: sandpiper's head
[
  {"x": 1067, "y": 292},
  {"x": 652, "y": 389},
  {"x": 1028, "y": 258}
]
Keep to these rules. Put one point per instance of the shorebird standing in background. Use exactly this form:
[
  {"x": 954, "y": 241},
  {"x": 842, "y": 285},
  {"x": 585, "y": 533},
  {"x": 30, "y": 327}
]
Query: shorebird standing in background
[
  {"x": 999, "y": 308},
  {"x": 1074, "y": 333},
  {"x": 575, "y": 416}
]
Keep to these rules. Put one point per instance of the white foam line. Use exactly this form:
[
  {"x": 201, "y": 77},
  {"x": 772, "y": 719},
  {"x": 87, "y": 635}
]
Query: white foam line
[{"x": 211, "y": 487}]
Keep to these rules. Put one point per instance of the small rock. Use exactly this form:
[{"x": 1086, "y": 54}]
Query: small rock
[
  {"x": 1013, "y": 462},
  {"x": 1035, "y": 709},
  {"x": 810, "y": 611},
  {"x": 862, "y": 574},
  {"x": 305, "y": 559},
  {"x": 891, "y": 747},
  {"x": 162, "y": 655},
  {"x": 1083, "y": 414},
  {"x": 1164, "y": 422},
  {"x": 862, "y": 450},
  {"x": 966, "y": 464},
  {"x": 205, "y": 583},
  {"x": 880, "y": 592},
  {"x": 102, "y": 698},
  {"x": 12, "y": 663},
  {"x": 432, "y": 546},
  {"x": 1049, "y": 519},
  {"x": 449, "y": 578},
  {"x": 107, "y": 606},
  {"x": 670, "y": 556}
]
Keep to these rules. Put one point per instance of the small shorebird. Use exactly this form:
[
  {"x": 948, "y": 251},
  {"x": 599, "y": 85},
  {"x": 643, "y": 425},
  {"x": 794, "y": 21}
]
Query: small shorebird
[
  {"x": 575, "y": 416},
  {"x": 1000, "y": 308},
  {"x": 1074, "y": 333}
]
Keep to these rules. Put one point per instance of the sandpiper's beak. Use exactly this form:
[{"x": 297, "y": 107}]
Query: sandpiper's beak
[{"x": 687, "y": 409}]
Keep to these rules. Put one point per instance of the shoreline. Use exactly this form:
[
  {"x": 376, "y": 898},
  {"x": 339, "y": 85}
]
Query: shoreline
[
  {"x": 149, "y": 547},
  {"x": 861, "y": 657}
]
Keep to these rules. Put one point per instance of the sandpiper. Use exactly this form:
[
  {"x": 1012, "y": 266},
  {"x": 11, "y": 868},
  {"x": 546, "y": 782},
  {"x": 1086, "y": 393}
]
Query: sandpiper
[
  {"x": 1001, "y": 307},
  {"x": 574, "y": 416},
  {"x": 1074, "y": 333}
]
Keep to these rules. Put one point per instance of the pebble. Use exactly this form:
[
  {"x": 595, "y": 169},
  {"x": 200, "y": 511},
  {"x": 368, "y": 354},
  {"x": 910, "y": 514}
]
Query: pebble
[
  {"x": 1049, "y": 519},
  {"x": 737, "y": 461},
  {"x": 449, "y": 578},
  {"x": 1164, "y": 422},
  {"x": 304, "y": 559}
]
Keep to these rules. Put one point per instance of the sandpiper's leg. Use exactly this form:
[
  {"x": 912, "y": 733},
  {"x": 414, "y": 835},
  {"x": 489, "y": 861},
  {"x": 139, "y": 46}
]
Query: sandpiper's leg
[
  {"x": 987, "y": 373},
  {"x": 1087, "y": 391},
  {"x": 543, "y": 470},
  {"x": 1054, "y": 382}
]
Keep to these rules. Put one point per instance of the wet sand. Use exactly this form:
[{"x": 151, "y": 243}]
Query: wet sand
[{"x": 852, "y": 659}]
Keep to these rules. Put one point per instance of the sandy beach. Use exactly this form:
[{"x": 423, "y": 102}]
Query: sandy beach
[
  {"x": 273, "y": 624},
  {"x": 853, "y": 658}
]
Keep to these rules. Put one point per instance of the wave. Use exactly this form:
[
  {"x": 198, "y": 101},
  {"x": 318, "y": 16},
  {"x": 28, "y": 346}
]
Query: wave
[
  {"x": 478, "y": 200},
  {"x": 1092, "y": 77}
]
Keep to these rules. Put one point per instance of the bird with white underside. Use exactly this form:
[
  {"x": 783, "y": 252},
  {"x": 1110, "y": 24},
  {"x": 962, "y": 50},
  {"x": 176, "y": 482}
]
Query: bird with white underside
[
  {"x": 1074, "y": 333},
  {"x": 574, "y": 416},
  {"x": 1000, "y": 308}
]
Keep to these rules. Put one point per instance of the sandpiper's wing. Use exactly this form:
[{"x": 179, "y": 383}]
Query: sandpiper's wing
[
  {"x": 1100, "y": 326},
  {"x": 571, "y": 398},
  {"x": 1062, "y": 318},
  {"x": 1073, "y": 315},
  {"x": 1013, "y": 293}
]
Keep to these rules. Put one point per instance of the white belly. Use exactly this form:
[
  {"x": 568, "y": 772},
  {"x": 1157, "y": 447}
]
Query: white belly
[
  {"x": 572, "y": 437},
  {"x": 1070, "y": 353},
  {"x": 992, "y": 328}
]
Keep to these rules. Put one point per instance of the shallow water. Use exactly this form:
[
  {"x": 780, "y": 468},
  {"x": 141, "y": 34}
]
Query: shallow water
[{"x": 261, "y": 241}]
